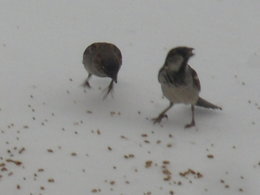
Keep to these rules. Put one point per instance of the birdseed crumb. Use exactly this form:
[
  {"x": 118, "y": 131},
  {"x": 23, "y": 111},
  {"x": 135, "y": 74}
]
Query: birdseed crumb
[
  {"x": 51, "y": 180},
  {"x": 40, "y": 170},
  {"x": 129, "y": 156},
  {"x": 148, "y": 164},
  {"x": 166, "y": 162},
  {"x": 73, "y": 154},
  {"x": 21, "y": 150},
  {"x": 16, "y": 162},
  {"x": 112, "y": 182},
  {"x": 96, "y": 190},
  {"x": 89, "y": 112},
  {"x": 169, "y": 145},
  {"x": 50, "y": 150},
  {"x": 210, "y": 156}
]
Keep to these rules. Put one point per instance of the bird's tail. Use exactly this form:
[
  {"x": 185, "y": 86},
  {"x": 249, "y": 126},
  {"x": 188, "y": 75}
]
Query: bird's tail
[{"x": 204, "y": 103}]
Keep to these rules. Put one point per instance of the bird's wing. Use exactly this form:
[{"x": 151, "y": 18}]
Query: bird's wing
[
  {"x": 195, "y": 78},
  {"x": 118, "y": 54},
  {"x": 109, "y": 50},
  {"x": 170, "y": 78},
  {"x": 163, "y": 77}
]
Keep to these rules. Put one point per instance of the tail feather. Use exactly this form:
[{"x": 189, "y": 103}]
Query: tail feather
[{"x": 204, "y": 103}]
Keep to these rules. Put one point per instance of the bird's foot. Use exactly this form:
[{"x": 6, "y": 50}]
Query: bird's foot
[
  {"x": 159, "y": 118},
  {"x": 192, "y": 124},
  {"x": 86, "y": 84},
  {"x": 109, "y": 90}
]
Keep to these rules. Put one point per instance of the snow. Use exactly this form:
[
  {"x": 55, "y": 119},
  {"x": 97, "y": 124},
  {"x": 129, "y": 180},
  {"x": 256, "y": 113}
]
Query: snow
[{"x": 76, "y": 143}]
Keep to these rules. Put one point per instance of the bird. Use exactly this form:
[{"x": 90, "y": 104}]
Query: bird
[
  {"x": 102, "y": 59},
  {"x": 180, "y": 83}
]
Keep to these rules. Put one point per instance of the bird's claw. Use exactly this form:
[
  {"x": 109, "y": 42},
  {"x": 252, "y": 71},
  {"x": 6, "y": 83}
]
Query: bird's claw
[
  {"x": 159, "y": 118},
  {"x": 192, "y": 124},
  {"x": 86, "y": 84},
  {"x": 108, "y": 90}
]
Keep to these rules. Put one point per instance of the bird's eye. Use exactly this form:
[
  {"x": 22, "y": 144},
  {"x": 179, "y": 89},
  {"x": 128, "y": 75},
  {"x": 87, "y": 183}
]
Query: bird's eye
[{"x": 176, "y": 59}]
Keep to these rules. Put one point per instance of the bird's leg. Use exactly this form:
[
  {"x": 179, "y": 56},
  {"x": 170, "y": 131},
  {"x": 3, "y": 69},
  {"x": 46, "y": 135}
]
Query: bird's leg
[
  {"x": 109, "y": 89},
  {"x": 162, "y": 114},
  {"x": 86, "y": 82},
  {"x": 192, "y": 124}
]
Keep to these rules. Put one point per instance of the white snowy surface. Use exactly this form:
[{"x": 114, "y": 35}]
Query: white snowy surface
[{"x": 72, "y": 142}]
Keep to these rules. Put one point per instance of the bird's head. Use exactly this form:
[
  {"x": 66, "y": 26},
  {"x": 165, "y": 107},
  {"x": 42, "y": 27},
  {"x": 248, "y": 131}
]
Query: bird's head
[
  {"x": 178, "y": 57},
  {"x": 111, "y": 67}
]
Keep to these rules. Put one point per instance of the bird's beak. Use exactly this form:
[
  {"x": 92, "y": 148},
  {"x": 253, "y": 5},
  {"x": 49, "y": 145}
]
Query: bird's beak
[
  {"x": 114, "y": 78},
  {"x": 191, "y": 51}
]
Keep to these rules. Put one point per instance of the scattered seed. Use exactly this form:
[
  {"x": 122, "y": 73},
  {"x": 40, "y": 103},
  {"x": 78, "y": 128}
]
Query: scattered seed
[
  {"x": 166, "y": 162},
  {"x": 112, "y": 182},
  {"x": 169, "y": 145},
  {"x": 128, "y": 156},
  {"x": 123, "y": 137},
  {"x": 210, "y": 156},
  {"x": 2, "y": 164},
  {"x": 191, "y": 172},
  {"x": 50, "y": 150},
  {"x": 40, "y": 170},
  {"x": 171, "y": 192},
  {"x": 148, "y": 164},
  {"x": 16, "y": 162},
  {"x": 73, "y": 154},
  {"x": 21, "y": 150},
  {"x": 144, "y": 135},
  {"x": 89, "y": 112},
  {"x": 95, "y": 190},
  {"x": 112, "y": 113},
  {"x": 51, "y": 180}
]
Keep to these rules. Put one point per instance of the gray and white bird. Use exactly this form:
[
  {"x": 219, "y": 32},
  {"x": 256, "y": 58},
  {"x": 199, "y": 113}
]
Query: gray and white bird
[
  {"x": 103, "y": 60},
  {"x": 180, "y": 83}
]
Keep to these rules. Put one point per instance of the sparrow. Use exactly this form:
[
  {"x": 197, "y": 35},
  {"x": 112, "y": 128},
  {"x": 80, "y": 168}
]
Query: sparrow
[
  {"x": 103, "y": 60},
  {"x": 180, "y": 83}
]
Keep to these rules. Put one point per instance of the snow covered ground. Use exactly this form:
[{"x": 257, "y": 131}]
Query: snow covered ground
[{"x": 57, "y": 139}]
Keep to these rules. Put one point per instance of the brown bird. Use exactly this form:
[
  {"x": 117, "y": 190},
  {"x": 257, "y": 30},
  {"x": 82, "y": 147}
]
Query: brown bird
[
  {"x": 103, "y": 60},
  {"x": 180, "y": 83}
]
